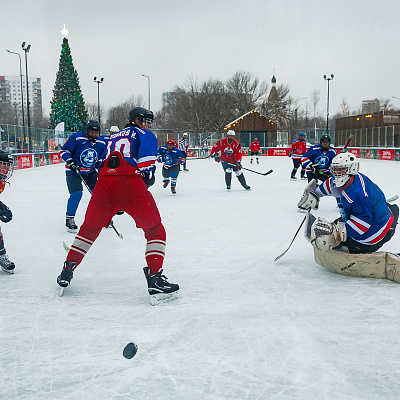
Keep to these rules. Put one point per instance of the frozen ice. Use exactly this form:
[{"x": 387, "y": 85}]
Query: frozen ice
[{"x": 243, "y": 327}]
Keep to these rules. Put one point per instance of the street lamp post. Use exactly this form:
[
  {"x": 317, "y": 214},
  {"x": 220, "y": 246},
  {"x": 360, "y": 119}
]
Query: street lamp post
[
  {"x": 16, "y": 112},
  {"x": 98, "y": 95},
  {"x": 327, "y": 107},
  {"x": 148, "y": 88},
  {"x": 22, "y": 91},
  {"x": 26, "y": 50}
]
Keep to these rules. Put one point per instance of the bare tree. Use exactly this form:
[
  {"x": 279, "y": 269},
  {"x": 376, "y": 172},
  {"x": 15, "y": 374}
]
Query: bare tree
[
  {"x": 119, "y": 114},
  {"x": 345, "y": 110}
]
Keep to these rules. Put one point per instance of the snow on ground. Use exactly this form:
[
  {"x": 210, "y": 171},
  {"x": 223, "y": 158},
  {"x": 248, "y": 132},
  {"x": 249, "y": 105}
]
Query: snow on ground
[{"x": 244, "y": 327}]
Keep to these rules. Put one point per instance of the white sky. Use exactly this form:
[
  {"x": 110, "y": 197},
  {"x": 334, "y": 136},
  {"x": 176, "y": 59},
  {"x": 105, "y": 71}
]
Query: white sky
[{"x": 173, "y": 40}]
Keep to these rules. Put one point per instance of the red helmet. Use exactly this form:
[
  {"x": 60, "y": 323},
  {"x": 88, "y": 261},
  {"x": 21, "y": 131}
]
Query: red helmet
[{"x": 171, "y": 141}]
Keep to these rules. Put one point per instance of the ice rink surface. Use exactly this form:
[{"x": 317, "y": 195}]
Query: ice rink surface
[{"x": 244, "y": 327}]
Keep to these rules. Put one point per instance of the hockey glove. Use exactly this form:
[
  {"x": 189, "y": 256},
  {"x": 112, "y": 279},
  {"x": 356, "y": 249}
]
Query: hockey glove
[
  {"x": 290, "y": 154},
  {"x": 72, "y": 165},
  {"x": 216, "y": 157},
  {"x": 5, "y": 213},
  {"x": 326, "y": 235},
  {"x": 149, "y": 176},
  {"x": 315, "y": 169},
  {"x": 238, "y": 165},
  {"x": 310, "y": 199}
]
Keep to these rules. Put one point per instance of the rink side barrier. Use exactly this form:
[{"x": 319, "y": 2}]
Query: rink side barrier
[
  {"x": 33, "y": 160},
  {"x": 375, "y": 153}
]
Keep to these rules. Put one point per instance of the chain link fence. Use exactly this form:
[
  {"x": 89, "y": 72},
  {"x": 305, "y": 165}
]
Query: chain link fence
[{"x": 20, "y": 139}]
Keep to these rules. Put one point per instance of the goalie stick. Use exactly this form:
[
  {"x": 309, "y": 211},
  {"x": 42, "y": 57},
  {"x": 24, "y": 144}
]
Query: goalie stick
[
  {"x": 294, "y": 237},
  {"x": 88, "y": 188},
  {"x": 256, "y": 172}
]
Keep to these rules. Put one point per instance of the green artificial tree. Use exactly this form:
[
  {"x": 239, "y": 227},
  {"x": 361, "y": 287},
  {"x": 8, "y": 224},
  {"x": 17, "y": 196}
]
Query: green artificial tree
[{"x": 67, "y": 104}]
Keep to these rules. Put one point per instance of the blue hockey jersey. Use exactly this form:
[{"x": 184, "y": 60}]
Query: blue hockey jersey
[
  {"x": 137, "y": 146},
  {"x": 86, "y": 154},
  {"x": 315, "y": 154},
  {"x": 170, "y": 158},
  {"x": 363, "y": 208}
]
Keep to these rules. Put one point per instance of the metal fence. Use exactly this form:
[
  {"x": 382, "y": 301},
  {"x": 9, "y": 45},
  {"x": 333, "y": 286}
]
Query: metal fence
[
  {"x": 381, "y": 136},
  {"x": 15, "y": 139}
]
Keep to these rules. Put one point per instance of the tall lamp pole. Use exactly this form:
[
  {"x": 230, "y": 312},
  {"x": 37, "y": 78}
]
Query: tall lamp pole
[
  {"x": 26, "y": 50},
  {"x": 22, "y": 91},
  {"x": 148, "y": 87},
  {"x": 98, "y": 95},
  {"x": 327, "y": 107}
]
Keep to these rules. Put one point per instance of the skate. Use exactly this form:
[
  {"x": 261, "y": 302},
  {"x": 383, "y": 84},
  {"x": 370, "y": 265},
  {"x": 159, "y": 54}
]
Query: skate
[
  {"x": 64, "y": 279},
  {"x": 70, "y": 225},
  {"x": 165, "y": 184},
  {"x": 228, "y": 187},
  {"x": 251, "y": 161},
  {"x": 247, "y": 187},
  {"x": 293, "y": 178},
  {"x": 185, "y": 169},
  {"x": 173, "y": 190},
  {"x": 6, "y": 264},
  {"x": 160, "y": 290},
  {"x": 258, "y": 162},
  {"x": 303, "y": 177}
]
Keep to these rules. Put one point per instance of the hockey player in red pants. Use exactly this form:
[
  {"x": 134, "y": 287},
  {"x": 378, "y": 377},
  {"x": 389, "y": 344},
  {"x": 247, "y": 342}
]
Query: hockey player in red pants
[{"x": 122, "y": 185}]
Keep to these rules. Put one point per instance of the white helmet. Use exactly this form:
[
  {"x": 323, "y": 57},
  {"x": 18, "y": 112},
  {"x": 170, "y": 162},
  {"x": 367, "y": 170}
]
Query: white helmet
[
  {"x": 343, "y": 166},
  {"x": 230, "y": 133},
  {"x": 185, "y": 134},
  {"x": 114, "y": 129}
]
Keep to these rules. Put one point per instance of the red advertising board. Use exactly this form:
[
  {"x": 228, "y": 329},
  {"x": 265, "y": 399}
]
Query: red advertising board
[
  {"x": 386, "y": 154},
  {"x": 25, "y": 161},
  {"x": 356, "y": 152},
  {"x": 278, "y": 151},
  {"x": 55, "y": 158}
]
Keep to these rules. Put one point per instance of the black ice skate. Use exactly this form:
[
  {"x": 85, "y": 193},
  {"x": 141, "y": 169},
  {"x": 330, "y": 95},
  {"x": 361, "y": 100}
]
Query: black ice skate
[
  {"x": 165, "y": 184},
  {"x": 293, "y": 178},
  {"x": 6, "y": 264},
  {"x": 160, "y": 290},
  {"x": 247, "y": 187},
  {"x": 64, "y": 279},
  {"x": 185, "y": 169},
  {"x": 173, "y": 190},
  {"x": 70, "y": 225}
]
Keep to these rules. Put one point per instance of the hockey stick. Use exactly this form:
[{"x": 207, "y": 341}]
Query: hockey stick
[
  {"x": 347, "y": 143},
  {"x": 256, "y": 172},
  {"x": 392, "y": 199},
  {"x": 302, "y": 222},
  {"x": 88, "y": 188}
]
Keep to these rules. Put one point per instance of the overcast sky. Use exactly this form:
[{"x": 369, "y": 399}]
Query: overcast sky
[{"x": 173, "y": 40}]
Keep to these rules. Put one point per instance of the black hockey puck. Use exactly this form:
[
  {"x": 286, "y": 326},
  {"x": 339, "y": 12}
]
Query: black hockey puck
[{"x": 130, "y": 350}]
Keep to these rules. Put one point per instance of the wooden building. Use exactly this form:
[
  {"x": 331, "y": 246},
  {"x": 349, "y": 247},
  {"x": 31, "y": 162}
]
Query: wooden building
[
  {"x": 377, "y": 129},
  {"x": 254, "y": 125}
]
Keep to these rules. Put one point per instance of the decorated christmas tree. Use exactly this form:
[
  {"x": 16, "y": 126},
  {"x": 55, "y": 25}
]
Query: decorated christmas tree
[{"x": 67, "y": 104}]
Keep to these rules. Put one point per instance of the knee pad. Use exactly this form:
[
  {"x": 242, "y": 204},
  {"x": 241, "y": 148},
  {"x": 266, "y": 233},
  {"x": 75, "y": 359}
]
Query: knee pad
[
  {"x": 238, "y": 173},
  {"x": 228, "y": 170}
]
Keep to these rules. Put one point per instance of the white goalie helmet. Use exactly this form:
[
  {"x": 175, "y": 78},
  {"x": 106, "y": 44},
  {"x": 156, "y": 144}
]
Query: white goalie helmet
[{"x": 343, "y": 166}]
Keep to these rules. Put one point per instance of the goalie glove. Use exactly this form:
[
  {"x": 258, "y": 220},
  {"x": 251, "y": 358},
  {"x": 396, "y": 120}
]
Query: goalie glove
[
  {"x": 326, "y": 235},
  {"x": 310, "y": 199}
]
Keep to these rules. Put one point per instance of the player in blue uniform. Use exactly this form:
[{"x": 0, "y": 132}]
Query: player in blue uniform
[
  {"x": 317, "y": 159},
  {"x": 82, "y": 152},
  {"x": 366, "y": 221},
  {"x": 172, "y": 158}
]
